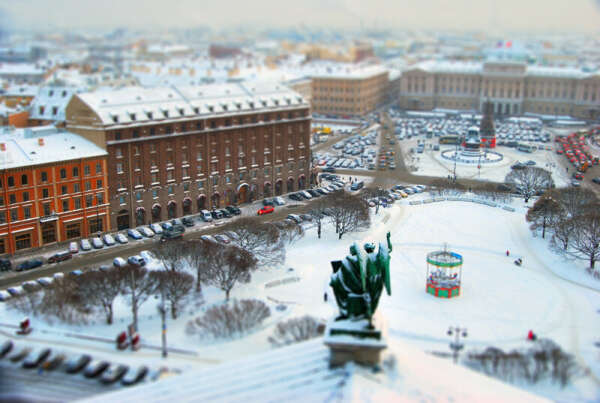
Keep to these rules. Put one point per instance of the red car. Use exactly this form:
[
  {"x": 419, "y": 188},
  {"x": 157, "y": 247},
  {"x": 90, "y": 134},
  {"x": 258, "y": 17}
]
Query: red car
[{"x": 266, "y": 210}]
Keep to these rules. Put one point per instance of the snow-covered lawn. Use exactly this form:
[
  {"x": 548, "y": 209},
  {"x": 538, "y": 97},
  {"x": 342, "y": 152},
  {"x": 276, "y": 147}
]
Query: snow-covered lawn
[{"x": 499, "y": 302}]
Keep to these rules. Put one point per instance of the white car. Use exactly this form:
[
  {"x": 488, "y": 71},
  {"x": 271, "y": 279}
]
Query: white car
[
  {"x": 146, "y": 255},
  {"x": 306, "y": 194},
  {"x": 97, "y": 243},
  {"x": 145, "y": 231},
  {"x": 120, "y": 238},
  {"x": 279, "y": 201},
  {"x": 4, "y": 295},
  {"x": 156, "y": 228},
  {"x": 108, "y": 240},
  {"x": 73, "y": 248},
  {"x": 119, "y": 262},
  {"x": 45, "y": 281},
  {"x": 85, "y": 244},
  {"x": 58, "y": 276}
]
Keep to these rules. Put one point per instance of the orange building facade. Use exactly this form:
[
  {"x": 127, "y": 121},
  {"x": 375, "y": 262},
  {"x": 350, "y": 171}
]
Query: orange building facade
[{"x": 51, "y": 200}]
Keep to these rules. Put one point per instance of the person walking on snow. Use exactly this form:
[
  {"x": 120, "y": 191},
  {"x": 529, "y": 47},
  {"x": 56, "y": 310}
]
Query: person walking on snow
[{"x": 507, "y": 252}]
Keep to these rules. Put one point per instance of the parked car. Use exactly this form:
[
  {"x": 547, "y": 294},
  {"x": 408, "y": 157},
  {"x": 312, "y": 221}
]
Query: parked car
[
  {"x": 176, "y": 221},
  {"x": 30, "y": 264},
  {"x": 225, "y": 213},
  {"x": 73, "y": 247},
  {"x": 75, "y": 273},
  {"x": 222, "y": 238},
  {"x": 108, "y": 239},
  {"x": 77, "y": 363},
  {"x": 156, "y": 228},
  {"x": 31, "y": 286},
  {"x": 15, "y": 291},
  {"x": 60, "y": 256},
  {"x": 306, "y": 217},
  {"x": 34, "y": 359},
  {"x": 268, "y": 202},
  {"x": 357, "y": 185},
  {"x": 134, "y": 234},
  {"x": 146, "y": 255},
  {"x": 295, "y": 218},
  {"x": 85, "y": 244},
  {"x": 314, "y": 193},
  {"x": 145, "y": 231},
  {"x": 266, "y": 210},
  {"x": 97, "y": 243},
  {"x": 45, "y": 281},
  {"x": 234, "y": 210},
  {"x": 120, "y": 238},
  {"x": 119, "y": 262},
  {"x": 188, "y": 221},
  {"x": 305, "y": 194},
  {"x": 166, "y": 226},
  {"x": 134, "y": 376},
  {"x": 208, "y": 238},
  {"x": 279, "y": 201},
  {"x": 95, "y": 368},
  {"x": 136, "y": 260},
  {"x": 5, "y": 265},
  {"x": 176, "y": 232},
  {"x": 4, "y": 296},
  {"x": 216, "y": 214},
  {"x": 206, "y": 216},
  {"x": 6, "y": 347},
  {"x": 114, "y": 373},
  {"x": 596, "y": 180},
  {"x": 295, "y": 196},
  {"x": 53, "y": 362}
]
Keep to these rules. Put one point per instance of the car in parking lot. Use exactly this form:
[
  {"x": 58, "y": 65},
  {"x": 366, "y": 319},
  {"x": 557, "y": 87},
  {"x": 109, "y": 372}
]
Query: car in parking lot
[
  {"x": 206, "y": 216},
  {"x": 75, "y": 273},
  {"x": 208, "y": 238},
  {"x": 295, "y": 196},
  {"x": 73, "y": 248},
  {"x": 578, "y": 176},
  {"x": 134, "y": 234},
  {"x": 225, "y": 213},
  {"x": 166, "y": 225},
  {"x": 119, "y": 262},
  {"x": 313, "y": 193},
  {"x": 295, "y": 218},
  {"x": 145, "y": 231},
  {"x": 85, "y": 244},
  {"x": 97, "y": 243},
  {"x": 596, "y": 180},
  {"x": 216, "y": 214},
  {"x": 156, "y": 228},
  {"x": 188, "y": 221},
  {"x": 136, "y": 260},
  {"x": 60, "y": 256},
  {"x": 29, "y": 264},
  {"x": 305, "y": 194},
  {"x": 4, "y": 296},
  {"x": 222, "y": 238},
  {"x": 266, "y": 210},
  {"x": 95, "y": 368},
  {"x": 45, "y": 281},
  {"x": 176, "y": 221},
  {"x": 234, "y": 210},
  {"x": 108, "y": 239},
  {"x": 120, "y": 238},
  {"x": 268, "y": 202},
  {"x": 279, "y": 201},
  {"x": 77, "y": 363}
]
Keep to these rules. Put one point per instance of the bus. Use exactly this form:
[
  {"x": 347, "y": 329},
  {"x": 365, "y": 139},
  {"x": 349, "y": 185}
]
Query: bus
[
  {"x": 525, "y": 148},
  {"x": 450, "y": 139}
]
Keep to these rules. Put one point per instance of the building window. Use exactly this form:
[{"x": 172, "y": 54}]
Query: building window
[
  {"x": 200, "y": 184},
  {"x": 23, "y": 241},
  {"x": 77, "y": 203},
  {"x": 75, "y": 172},
  {"x": 95, "y": 225},
  {"x": 100, "y": 198},
  {"x": 119, "y": 168},
  {"x": 73, "y": 230},
  {"x": 63, "y": 190},
  {"x": 88, "y": 185},
  {"x": 99, "y": 184},
  {"x": 27, "y": 212},
  {"x": 86, "y": 170},
  {"x": 25, "y": 196},
  {"x": 98, "y": 168},
  {"x": 154, "y": 193},
  {"x": 65, "y": 205},
  {"x": 199, "y": 156},
  {"x": 138, "y": 196},
  {"x": 215, "y": 180},
  {"x": 185, "y": 172},
  {"x": 1, "y": 200},
  {"x": 44, "y": 176},
  {"x": 23, "y": 179},
  {"x": 14, "y": 214},
  {"x": 47, "y": 210},
  {"x": 2, "y": 247},
  {"x": 76, "y": 188},
  {"x": 186, "y": 186},
  {"x": 63, "y": 174},
  {"x": 2, "y": 217},
  {"x": 12, "y": 199},
  {"x": 169, "y": 175},
  {"x": 118, "y": 152},
  {"x": 228, "y": 179},
  {"x": 171, "y": 190},
  {"x": 121, "y": 199},
  {"x": 88, "y": 200}
]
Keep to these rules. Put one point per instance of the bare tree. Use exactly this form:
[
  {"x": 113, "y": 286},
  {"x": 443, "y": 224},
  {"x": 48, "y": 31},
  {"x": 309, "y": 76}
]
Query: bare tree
[
  {"x": 529, "y": 181},
  {"x": 318, "y": 211},
  {"x": 174, "y": 286},
  {"x": 194, "y": 256},
  {"x": 63, "y": 301},
  {"x": 349, "y": 213},
  {"x": 101, "y": 289},
  {"x": 139, "y": 286},
  {"x": 296, "y": 330},
  {"x": 585, "y": 239},
  {"x": 289, "y": 231},
  {"x": 261, "y": 239},
  {"x": 170, "y": 254},
  {"x": 545, "y": 212},
  {"x": 575, "y": 201},
  {"x": 227, "y": 265},
  {"x": 562, "y": 231}
]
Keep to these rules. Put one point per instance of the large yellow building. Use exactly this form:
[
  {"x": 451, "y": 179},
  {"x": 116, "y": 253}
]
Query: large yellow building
[{"x": 513, "y": 88}]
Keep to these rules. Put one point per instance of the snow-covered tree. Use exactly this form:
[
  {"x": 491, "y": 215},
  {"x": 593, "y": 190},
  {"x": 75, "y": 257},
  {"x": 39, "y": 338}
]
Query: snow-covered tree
[
  {"x": 544, "y": 213},
  {"x": 529, "y": 181}
]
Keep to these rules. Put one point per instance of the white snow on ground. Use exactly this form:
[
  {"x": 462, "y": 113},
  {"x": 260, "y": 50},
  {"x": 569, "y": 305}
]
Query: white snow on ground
[
  {"x": 499, "y": 303},
  {"x": 431, "y": 163}
]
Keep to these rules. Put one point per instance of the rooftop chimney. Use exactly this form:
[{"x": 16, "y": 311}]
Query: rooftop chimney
[{"x": 41, "y": 141}]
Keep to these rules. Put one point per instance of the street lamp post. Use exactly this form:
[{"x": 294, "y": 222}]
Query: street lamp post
[
  {"x": 456, "y": 345},
  {"x": 162, "y": 310}
]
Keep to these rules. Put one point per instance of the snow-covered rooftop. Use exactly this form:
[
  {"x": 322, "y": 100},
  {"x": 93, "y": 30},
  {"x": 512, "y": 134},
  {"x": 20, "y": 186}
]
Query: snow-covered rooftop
[
  {"x": 346, "y": 71},
  {"x": 20, "y": 68},
  {"x": 23, "y": 147},
  {"x": 145, "y": 104},
  {"x": 50, "y": 103}
]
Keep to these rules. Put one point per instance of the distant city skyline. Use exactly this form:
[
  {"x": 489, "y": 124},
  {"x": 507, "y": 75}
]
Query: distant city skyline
[{"x": 484, "y": 15}]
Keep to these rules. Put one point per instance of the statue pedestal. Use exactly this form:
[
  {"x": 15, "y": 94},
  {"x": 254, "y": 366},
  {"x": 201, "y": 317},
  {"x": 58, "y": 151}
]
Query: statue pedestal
[{"x": 353, "y": 341}]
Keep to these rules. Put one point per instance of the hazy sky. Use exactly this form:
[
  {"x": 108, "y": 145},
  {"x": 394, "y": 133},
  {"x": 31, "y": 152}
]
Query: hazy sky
[{"x": 505, "y": 15}]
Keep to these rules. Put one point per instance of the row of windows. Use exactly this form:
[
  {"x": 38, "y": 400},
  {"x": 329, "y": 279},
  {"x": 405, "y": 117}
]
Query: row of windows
[
  {"x": 68, "y": 204},
  {"x": 64, "y": 189},
  {"x": 11, "y": 180}
]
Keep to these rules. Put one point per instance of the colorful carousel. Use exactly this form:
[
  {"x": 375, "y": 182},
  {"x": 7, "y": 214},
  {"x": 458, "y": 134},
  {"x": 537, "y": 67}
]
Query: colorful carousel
[{"x": 444, "y": 274}]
